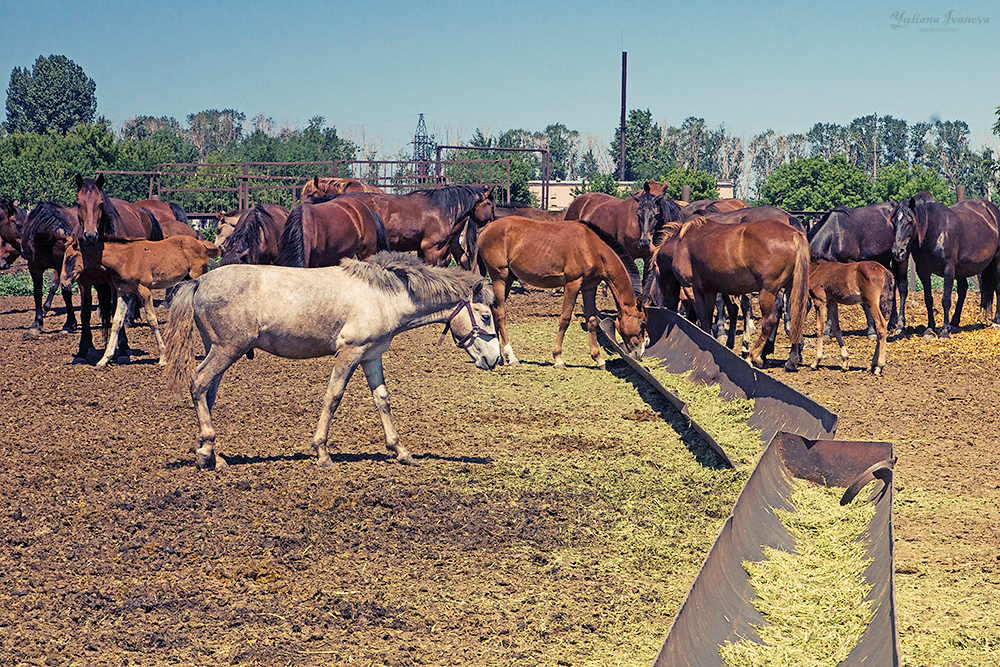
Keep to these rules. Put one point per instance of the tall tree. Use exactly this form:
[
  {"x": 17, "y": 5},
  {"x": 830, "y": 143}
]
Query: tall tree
[
  {"x": 645, "y": 155},
  {"x": 815, "y": 184},
  {"x": 55, "y": 95},
  {"x": 212, "y": 131}
]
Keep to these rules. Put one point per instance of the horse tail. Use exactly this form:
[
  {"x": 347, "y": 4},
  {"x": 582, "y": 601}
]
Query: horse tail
[
  {"x": 472, "y": 242},
  {"x": 179, "y": 351},
  {"x": 885, "y": 297},
  {"x": 989, "y": 281},
  {"x": 381, "y": 236},
  {"x": 798, "y": 295},
  {"x": 178, "y": 212},
  {"x": 291, "y": 250},
  {"x": 155, "y": 231}
]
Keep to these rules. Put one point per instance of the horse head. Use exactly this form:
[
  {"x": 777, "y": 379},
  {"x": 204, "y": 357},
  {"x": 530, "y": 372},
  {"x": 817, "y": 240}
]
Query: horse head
[
  {"x": 649, "y": 220},
  {"x": 90, "y": 205},
  {"x": 72, "y": 265},
  {"x": 484, "y": 210},
  {"x": 906, "y": 220},
  {"x": 8, "y": 254},
  {"x": 632, "y": 329},
  {"x": 472, "y": 328}
]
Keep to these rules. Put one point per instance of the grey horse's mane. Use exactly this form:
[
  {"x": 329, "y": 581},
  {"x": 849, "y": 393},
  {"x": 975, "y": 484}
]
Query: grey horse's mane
[{"x": 396, "y": 271}]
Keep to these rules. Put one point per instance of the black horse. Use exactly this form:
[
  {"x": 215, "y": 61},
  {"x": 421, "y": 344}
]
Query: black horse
[
  {"x": 953, "y": 244},
  {"x": 859, "y": 234}
]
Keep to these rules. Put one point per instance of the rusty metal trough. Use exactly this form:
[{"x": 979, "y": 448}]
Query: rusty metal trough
[{"x": 798, "y": 433}]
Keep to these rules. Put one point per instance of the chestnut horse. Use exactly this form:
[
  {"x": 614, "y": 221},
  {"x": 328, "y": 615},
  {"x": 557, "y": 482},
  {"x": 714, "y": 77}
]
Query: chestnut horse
[
  {"x": 764, "y": 256},
  {"x": 318, "y": 187},
  {"x": 323, "y": 231},
  {"x": 136, "y": 266},
  {"x": 709, "y": 206},
  {"x": 172, "y": 218},
  {"x": 256, "y": 236},
  {"x": 954, "y": 244},
  {"x": 42, "y": 244},
  {"x": 103, "y": 217},
  {"x": 851, "y": 283},
  {"x": 429, "y": 221},
  {"x": 577, "y": 257}
]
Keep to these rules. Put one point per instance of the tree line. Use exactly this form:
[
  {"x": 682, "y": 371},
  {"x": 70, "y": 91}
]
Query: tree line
[{"x": 52, "y": 132}]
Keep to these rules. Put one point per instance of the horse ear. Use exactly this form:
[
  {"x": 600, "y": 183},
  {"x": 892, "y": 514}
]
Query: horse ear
[
  {"x": 635, "y": 197},
  {"x": 100, "y": 181},
  {"x": 79, "y": 181},
  {"x": 316, "y": 182}
]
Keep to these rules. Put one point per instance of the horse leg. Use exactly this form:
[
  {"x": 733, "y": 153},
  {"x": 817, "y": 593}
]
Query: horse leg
[
  {"x": 732, "y": 309},
  {"x": 925, "y": 280},
  {"x": 748, "y": 325},
  {"x": 902, "y": 290},
  {"x": 121, "y": 312},
  {"x": 501, "y": 290},
  {"x": 881, "y": 328},
  {"x": 204, "y": 387},
  {"x": 35, "y": 329},
  {"x": 590, "y": 312},
  {"x": 963, "y": 288},
  {"x": 768, "y": 324},
  {"x": 346, "y": 360},
  {"x": 570, "y": 290},
  {"x": 839, "y": 335},
  {"x": 86, "y": 310},
  {"x": 148, "y": 306},
  {"x": 704, "y": 305},
  {"x": 822, "y": 321},
  {"x": 376, "y": 382}
]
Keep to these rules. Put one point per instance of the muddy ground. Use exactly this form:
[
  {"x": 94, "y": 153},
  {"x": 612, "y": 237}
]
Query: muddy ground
[{"x": 116, "y": 550}]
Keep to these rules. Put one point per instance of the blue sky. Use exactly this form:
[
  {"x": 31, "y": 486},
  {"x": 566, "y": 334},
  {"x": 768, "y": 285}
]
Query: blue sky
[{"x": 371, "y": 67}]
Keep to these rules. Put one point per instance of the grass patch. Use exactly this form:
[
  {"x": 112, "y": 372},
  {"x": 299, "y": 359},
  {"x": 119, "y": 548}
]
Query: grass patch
[{"x": 813, "y": 598}]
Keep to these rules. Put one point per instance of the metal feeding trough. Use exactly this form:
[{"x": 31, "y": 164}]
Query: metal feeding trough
[{"x": 720, "y": 604}]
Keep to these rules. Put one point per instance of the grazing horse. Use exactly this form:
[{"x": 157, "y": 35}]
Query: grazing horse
[
  {"x": 103, "y": 217},
  {"x": 317, "y": 187},
  {"x": 850, "y": 283},
  {"x": 948, "y": 243},
  {"x": 42, "y": 242},
  {"x": 577, "y": 257},
  {"x": 351, "y": 311},
  {"x": 256, "y": 236},
  {"x": 855, "y": 235},
  {"x": 764, "y": 256},
  {"x": 323, "y": 231},
  {"x": 428, "y": 221},
  {"x": 136, "y": 266},
  {"x": 12, "y": 219},
  {"x": 633, "y": 221}
]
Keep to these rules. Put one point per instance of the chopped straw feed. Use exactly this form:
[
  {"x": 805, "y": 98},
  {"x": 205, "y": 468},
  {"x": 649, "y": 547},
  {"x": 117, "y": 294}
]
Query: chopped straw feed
[{"x": 813, "y": 598}]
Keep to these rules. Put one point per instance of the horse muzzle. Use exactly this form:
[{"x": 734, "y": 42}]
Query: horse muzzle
[{"x": 90, "y": 238}]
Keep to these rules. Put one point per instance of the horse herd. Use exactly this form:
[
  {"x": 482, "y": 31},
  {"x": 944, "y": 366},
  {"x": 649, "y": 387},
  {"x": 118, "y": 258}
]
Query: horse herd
[{"x": 363, "y": 288}]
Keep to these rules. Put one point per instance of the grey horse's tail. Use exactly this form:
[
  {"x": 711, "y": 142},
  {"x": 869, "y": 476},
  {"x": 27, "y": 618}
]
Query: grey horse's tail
[{"x": 179, "y": 350}]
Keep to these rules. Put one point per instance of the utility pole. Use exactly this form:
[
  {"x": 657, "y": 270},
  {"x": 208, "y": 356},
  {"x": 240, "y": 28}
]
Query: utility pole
[{"x": 621, "y": 163}]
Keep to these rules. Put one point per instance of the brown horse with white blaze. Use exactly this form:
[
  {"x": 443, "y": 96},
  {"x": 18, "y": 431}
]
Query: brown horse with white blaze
[
  {"x": 764, "y": 256},
  {"x": 851, "y": 283},
  {"x": 577, "y": 257}
]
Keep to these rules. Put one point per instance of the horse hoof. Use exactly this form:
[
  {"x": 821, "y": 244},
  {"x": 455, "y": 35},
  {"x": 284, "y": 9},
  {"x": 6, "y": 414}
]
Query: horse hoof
[
  {"x": 32, "y": 333},
  {"x": 791, "y": 367},
  {"x": 929, "y": 335},
  {"x": 602, "y": 366},
  {"x": 406, "y": 460},
  {"x": 325, "y": 462}
]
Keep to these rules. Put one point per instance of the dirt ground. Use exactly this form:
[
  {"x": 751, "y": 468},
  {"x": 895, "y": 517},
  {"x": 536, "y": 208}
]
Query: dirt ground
[{"x": 116, "y": 550}]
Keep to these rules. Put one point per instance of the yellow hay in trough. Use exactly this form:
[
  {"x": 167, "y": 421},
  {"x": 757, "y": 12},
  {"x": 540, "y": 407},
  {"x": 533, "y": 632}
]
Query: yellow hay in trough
[{"x": 814, "y": 598}]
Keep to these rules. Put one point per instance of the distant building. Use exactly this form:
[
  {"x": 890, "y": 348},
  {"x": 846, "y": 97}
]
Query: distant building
[{"x": 561, "y": 192}]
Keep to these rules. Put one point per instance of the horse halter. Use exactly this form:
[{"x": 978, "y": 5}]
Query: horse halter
[{"x": 476, "y": 331}]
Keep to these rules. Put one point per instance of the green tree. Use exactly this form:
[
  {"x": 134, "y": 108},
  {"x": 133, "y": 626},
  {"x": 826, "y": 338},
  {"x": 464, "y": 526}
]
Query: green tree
[
  {"x": 55, "y": 95},
  {"x": 703, "y": 185},
  {"x": 214, "y": 131},
  {"x": 901, "y": 181},
  {"x": 815, "y": 184},
  {"x": 598, "y": 182},
  {"x": 646, "y": 155}
]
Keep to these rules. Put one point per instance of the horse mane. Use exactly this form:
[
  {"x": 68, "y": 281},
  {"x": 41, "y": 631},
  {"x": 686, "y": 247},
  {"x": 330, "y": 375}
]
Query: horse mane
[
  {"x": 246, "y": 237},
  {"x": 394, "y": 272},
  {"x": 110, "y": 220},
  {"x": 46, "y": 218},
  {"x": 696, "y": 222},
  {"x": 621, "y": 252},
  {"x": 291, "y": 249},
  {"x": 454, "y": 201}
]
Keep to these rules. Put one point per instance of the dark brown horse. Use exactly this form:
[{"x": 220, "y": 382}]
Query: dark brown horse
[
  {"x": 954, "y": 244},
  {"x": 633, "y": 221},
  {"x": 318, "y": 187},
  {"x": 256, "y": 237},
  {"x": 976, "y": 213},
  {"x": 764, "y": 256},
  {"x": 42, "y": 242},
  {"x": 323, "y": 231},
  {"x": 428, "y": 221},
  {"x": 754, "y": 213},
  {"x": 850, "y": 283},
  {"x": 171, "y": 216},
  {"x": 576, "y": 257},
  {"x": 12, "y": 219},
  {"x": 103, "y": 217}
]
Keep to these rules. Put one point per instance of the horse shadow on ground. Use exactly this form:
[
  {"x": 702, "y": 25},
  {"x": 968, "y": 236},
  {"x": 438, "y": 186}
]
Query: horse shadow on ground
[
  {"x": 341, "y": 457},
  {"x": 661, "y": 408}
]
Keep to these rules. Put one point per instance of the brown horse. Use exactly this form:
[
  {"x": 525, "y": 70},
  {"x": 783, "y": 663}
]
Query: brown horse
[
  {"x": 850, "y": 283},
  {"x": 633, "y": 221},
  {"x": 708, "y": 206},
  {"x": 577, "y": 257},
  {"x": 102, "y": 217},
  {"x": 954, "y": 244},
  {"x": 529, "y": 212},
  {"x": 172, "y": 218},
  {"x": 225, "y": 225},
  {"x": 12, "y": 219},
  {"x": 317, "y": 187},
  {"x": 135, "y": 267},
  {"x": 323, "y": 231},
  {"x": 42, "y": 245},
  {"x": 256, "y": 236},
  {"x": 428, "y": 221},
  {"x": 765, "y": 256}
]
